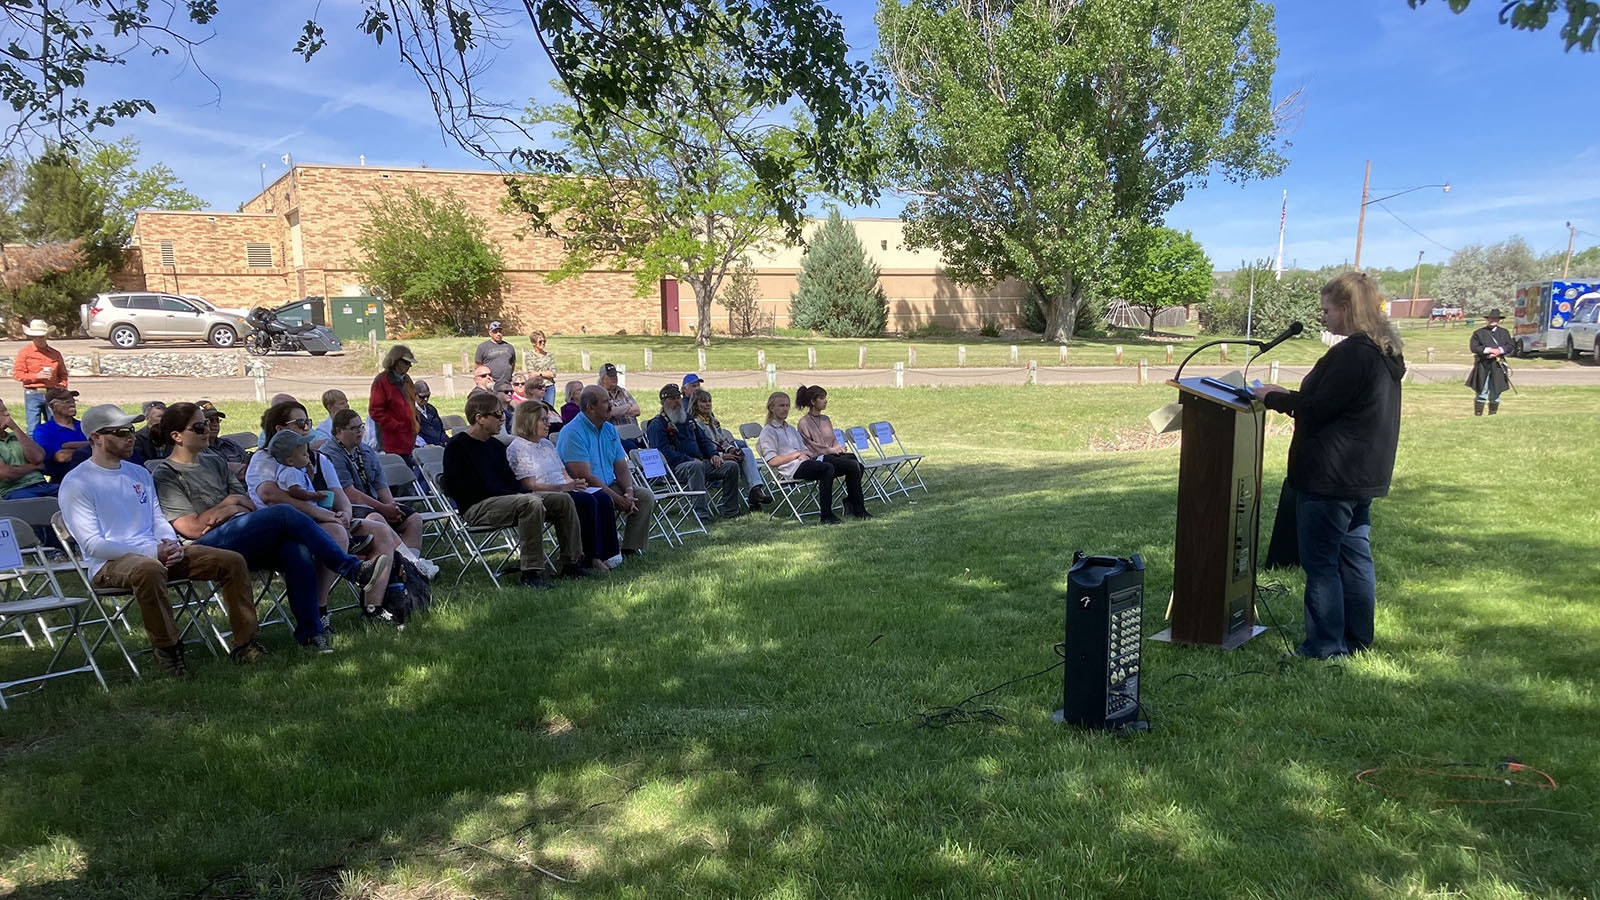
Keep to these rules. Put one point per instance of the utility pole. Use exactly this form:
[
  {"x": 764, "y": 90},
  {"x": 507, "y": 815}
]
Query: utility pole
[
  {"x": 1416, "y": 280},
  {"x": 1571, "y": 233},
  {"x": 1361, "y": 223}
]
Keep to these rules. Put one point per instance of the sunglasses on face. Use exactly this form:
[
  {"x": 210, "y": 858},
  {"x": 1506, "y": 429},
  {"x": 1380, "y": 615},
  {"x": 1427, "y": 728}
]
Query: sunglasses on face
[
  {"x": 423, "y": 396},
  {"x": 518, "y": 383},
  {"x": 492, "y": 415},
  {"x": 201, "y": 427},
  {"x": 481, "y": 375},
  {"x": 123, "y": 432},
  {"x": 300, "y": 423}
]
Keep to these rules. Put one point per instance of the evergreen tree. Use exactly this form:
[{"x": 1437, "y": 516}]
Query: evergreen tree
[
  {"x": 61, "y": 208},
  {"x": 839, "y": 292}
]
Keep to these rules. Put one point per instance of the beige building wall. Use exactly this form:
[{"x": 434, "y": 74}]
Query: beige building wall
[{"x": 312, "y": 216}]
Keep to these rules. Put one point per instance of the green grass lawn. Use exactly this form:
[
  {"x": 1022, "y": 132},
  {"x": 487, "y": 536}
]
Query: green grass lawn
[
  {"x": 740, "y": 718},
  {"x": 672, "y": 353}
]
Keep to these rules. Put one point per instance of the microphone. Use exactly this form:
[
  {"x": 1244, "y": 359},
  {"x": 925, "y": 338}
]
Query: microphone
[{"x": 1293, "y": 329}]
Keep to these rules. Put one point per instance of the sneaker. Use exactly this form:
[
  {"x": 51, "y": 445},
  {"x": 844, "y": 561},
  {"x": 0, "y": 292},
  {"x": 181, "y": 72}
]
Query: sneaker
[
  {"x": 373, "y": 579},
  {"x": 171, "y": 662},
  {"x": 427, "y": 567},
  {"x": 359, "y": 544},
  {"x": 321, "y": 643},
  {"x": 614, "y": 561},
  {"x": 534, "y": 578},
  {"x": 573, "y": 570},
  {"x": 325, "y": 622},
  {"x": 248, "y": 653},
  {"x": 379, "y": 615}
]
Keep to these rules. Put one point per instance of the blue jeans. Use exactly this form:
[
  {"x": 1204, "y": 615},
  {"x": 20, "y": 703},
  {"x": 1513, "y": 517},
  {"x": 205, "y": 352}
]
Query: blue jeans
[
  {"x": 288, "y": 541},
  {"x": 42, "y": 489},
  {"x": 1341, "y": 585},
  {"x": 33, "y": 406}
]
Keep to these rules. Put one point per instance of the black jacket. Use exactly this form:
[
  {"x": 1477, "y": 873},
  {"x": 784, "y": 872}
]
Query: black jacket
[{"x": 1346, "y": 421}]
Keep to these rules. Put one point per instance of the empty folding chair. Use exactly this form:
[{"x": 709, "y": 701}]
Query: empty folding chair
[
  {"x": 436, "y": 520},
  {"x": 876, "y": 472},
  {"x": 453, "y": 424},
  {"x": 15, "y": 536},
  {"x": 890, "y": 446},
  {"x": 674, "y": 514}
]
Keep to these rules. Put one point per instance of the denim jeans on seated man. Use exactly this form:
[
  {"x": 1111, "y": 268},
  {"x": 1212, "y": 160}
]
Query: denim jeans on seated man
[
  {"x": 288, "y": 541},
  {"x": 1341, "y": 584}
]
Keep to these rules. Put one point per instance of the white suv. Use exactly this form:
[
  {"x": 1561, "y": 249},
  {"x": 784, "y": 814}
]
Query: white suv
[
  {"x": 1583, "y": 329},
  {"x": 128, "y": 318}
]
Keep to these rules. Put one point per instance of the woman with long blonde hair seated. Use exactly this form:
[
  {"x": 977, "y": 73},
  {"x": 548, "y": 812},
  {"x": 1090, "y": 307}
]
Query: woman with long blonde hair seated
[
  {"x": 536, "y": 463},
  {"x": 785, "y": 450}
]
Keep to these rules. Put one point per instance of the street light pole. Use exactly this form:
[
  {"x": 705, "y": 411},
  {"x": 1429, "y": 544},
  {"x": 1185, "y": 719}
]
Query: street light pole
[
  {"x": 1571, "y": 233},
  {"x": 1416, "y": 280},
  {"x": 1367, "y": 200}
]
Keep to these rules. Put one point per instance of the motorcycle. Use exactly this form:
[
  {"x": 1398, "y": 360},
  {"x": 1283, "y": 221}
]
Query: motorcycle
[{"x": 271, "y": 334}]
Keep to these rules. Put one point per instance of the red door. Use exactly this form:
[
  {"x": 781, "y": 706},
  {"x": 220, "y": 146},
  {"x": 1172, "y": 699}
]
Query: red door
[{"x": 669, "y": 306}]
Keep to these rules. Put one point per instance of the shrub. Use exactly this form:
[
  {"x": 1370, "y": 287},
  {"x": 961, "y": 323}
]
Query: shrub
[
  {"x": 839, "y": 293},
  {"x": 991, "y": 327}
]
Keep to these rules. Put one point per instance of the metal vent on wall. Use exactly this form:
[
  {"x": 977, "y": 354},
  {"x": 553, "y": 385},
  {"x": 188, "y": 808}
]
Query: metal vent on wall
[
  {"x": 258, "y": 256},
  {"x": 168, "y": 258}
]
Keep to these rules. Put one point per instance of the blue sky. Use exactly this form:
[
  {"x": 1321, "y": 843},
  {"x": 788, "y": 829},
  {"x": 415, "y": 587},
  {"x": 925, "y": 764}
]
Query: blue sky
[{"x": 1507, "y": 118}]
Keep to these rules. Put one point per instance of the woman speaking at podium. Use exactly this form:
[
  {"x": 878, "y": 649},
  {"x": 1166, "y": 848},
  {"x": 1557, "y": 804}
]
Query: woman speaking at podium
[{"x": 1346, "y": 427}]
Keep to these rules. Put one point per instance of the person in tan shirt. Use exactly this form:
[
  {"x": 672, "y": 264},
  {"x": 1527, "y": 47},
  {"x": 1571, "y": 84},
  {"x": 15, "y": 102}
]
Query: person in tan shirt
[
  {"x": 816, "y": 430},
  {"x": 39, "y": 367}
]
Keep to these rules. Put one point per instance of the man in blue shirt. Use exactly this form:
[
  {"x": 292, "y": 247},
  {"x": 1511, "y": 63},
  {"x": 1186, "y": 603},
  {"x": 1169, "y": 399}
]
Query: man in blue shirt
[
  {"x": 60, "y": 435},
  {"x": 590, "y": 447}
]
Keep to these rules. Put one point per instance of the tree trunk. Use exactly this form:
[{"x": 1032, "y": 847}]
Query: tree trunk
[
  {"x": 703, "y": 296},
  {"x": 1061, "y": 312}
]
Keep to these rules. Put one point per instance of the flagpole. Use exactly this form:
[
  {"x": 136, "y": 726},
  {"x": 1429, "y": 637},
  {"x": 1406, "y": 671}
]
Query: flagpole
[{"x": 1283, "y": 218}]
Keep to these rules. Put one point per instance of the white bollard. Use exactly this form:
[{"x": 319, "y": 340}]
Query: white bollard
[
  {"x": 466, "y": 361},
  {"x": 622, "y": 377},
  {"x": 583, "y": 355},
  {"x": 258, "y": 374},
  {"x": 1119, "y": 354},
  {"x": 1169, "y": 354},
  {"x": 761, "y": 359},
  {"x": 1013, "y": 352},
  {"x": 861, "y": 357},
  {"x": 1430, "y": 354},
  {"x": 811, "y": 357},
  {"x": 1063, "y": 354},
  {"x": 899, "y": 374},
  {"x": 449, "y": 380},
  {"x": 961, "y": 356},
  {"x": 1144, "y": 370},
  {"x": 649, "y": 358},
  {"x": 1224, "y": 353},
  {"x": 1272, "y": 375},
  {"x": 772, "y": 376},
  {"x": 1033, "y": 371},
  {"x": 911, "y": 356},
  {"x": 372, "y": 342},
  {"x": 701, "y": 355}
]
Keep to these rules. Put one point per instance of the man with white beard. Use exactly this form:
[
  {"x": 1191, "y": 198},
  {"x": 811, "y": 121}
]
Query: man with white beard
[{"x": 692, "y": 455}]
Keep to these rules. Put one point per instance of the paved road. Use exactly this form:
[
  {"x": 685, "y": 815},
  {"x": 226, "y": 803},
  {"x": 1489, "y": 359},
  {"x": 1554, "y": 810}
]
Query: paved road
[{"x": 308, "y": 385}]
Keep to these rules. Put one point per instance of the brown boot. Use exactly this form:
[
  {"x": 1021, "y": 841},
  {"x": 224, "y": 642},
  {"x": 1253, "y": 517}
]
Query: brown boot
[
  {"x": 1494, "y": 407},
  {"x": 1477, "y": 407}
]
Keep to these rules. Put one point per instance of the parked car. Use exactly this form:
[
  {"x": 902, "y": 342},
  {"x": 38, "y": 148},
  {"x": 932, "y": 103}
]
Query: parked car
[
  {"x": 239, "y": 311},
  {"x": 1583, "y": 329},
  {"x": 129, "y": 318}
]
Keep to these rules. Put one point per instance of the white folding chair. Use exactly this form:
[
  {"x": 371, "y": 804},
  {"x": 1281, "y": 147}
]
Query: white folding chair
[
  {"x": 877, "y": 473},
  {"x": 674, "y": 515},
  {"x": 453, "y": 424},
  {"x": 631, "y": 432},
  {"x": 796, "y": 495},
  {"x": 408, "y": 489},
  {"x": 15, "y": 535},
  {"x": 479, "y": 541}
]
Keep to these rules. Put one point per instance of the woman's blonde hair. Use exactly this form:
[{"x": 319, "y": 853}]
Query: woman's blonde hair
[
  {"x": 1365, "y": 310},
  {"x": 528, "y": 414}
]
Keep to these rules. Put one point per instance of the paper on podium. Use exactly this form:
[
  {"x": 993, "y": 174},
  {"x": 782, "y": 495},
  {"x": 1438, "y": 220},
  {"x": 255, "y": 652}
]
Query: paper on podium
[{"x": 1170, "y": 417}]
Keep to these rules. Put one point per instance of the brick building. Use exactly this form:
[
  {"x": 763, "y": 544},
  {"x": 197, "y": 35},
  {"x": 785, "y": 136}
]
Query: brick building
[{"x": 298, "y": 238}]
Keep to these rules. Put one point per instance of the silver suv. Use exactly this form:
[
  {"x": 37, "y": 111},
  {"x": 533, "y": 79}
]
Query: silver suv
[{"x": 128, "y": 318}]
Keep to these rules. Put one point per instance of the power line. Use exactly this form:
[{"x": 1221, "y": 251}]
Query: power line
[{"x": 1414, "y": 231}]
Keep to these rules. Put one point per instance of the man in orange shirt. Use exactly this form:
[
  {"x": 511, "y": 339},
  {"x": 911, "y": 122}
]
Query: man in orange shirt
[{"x": 39, "y": 367}]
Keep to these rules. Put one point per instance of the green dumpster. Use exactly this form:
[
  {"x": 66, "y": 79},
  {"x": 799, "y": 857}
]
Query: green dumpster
[{"x": 352, "y": 317}]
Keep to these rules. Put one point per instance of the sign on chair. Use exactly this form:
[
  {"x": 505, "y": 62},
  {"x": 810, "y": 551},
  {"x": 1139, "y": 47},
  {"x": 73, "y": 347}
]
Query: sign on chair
[{"x": 10, "y": 554}]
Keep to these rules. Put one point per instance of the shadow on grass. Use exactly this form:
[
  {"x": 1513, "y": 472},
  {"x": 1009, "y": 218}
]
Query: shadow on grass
[{"x": 692, "y": 725}]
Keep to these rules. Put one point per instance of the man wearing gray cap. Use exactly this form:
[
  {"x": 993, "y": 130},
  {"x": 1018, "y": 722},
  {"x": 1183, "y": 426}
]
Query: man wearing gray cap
[
  {"x": 109, "y": 506},
  {"x": 499, "y": 356}
]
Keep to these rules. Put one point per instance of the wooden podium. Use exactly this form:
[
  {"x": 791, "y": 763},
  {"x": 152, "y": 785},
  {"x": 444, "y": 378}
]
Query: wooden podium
[{"x": 1219, "y": 477}]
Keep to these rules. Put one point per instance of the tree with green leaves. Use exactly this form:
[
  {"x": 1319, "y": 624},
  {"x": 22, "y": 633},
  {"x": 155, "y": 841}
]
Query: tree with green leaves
[
  {"x": 739, "y": 296},
  {"x": 431, "y": 260},
  {"x": 128, "y": 188},
  {"x": 666, "y": 195},
  {"x": 1162, "y": 268},
  {"x": 61, "y": 212},
  {"x": 1032, "y": 135},
  {"x": 1258, "y": 302},
  {"x": 838, "y": 291},
  {"x": 1580, "y": 30},
  {"x": 614, "y": 57},
  {"x": 1479, "y": 278}
]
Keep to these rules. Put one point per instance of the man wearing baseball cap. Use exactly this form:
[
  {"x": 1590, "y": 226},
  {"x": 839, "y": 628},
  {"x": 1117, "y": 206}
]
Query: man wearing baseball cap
[
  {"x": 109, "y": 505},
  {"x": 39, "y": 367},
  {"x": 691, "y": 383},
  {"x": 624, "y": 409},
  {"x": 60, "y": 435},
  {"x": 499, "y": 356},
  {"x": 693, "y": 456}
]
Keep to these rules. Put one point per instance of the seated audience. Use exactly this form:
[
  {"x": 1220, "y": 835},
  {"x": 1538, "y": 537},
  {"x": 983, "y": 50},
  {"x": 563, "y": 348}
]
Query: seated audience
[
  {"x": 731, "y": 447},
  {"x": 482, "y": 381},
  {"x": 693, "y": 457},
  {"x": 593, "y": 452},
  {"x": 430, "y": 425},
  {"x": 360, "y": 473},
  {"x": 479, "y": 479},
  {"x": 108, "y": 505},
  {"x": 232, "y": 452},
  {"x": 21, "y": 462},
  {"x": 624, "y": 409},
  {"x": 817, "y": 431},
  {"x": 60, "y": 435},
  {"x": 206, "y": 503},
  {"x": 143, "y": 447},
  {"x": 537, "y": 465},
  {"x": 570, "y": 409},
  {"x": 785, "y": 450},
  {"x": 519, "y": 385}
]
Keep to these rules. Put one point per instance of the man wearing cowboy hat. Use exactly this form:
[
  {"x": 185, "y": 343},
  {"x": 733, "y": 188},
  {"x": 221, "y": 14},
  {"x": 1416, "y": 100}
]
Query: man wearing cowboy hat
[
  {"x": 1489, "y": 376},
  {"x": 39, "y": 367}
]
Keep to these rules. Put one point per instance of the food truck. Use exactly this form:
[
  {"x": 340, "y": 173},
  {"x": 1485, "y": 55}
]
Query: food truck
[{"x": 1542, "y": 313}]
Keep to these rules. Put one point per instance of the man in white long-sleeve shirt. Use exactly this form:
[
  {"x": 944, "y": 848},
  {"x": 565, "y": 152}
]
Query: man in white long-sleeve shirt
[{"x": 110, "y": 508}]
